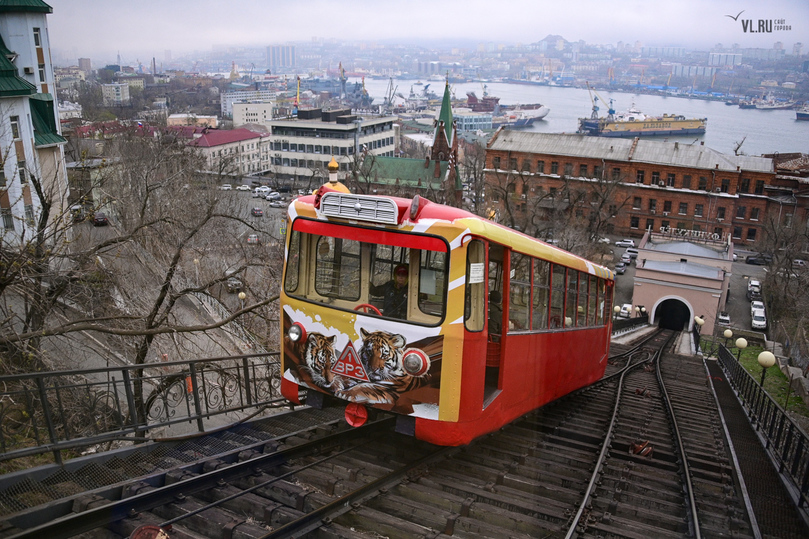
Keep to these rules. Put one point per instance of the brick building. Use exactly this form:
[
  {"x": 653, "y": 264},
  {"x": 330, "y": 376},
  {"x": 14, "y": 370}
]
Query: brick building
[{"x": 651, "y": 184}]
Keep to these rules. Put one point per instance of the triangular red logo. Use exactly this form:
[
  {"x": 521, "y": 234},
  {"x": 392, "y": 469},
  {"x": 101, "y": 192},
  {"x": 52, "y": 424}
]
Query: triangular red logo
[{"x": 349, "y": 364}]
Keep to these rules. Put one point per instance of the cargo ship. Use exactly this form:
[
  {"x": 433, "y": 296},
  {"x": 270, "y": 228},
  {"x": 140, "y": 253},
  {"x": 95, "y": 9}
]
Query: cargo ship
[{"x": 634, "y": 123}]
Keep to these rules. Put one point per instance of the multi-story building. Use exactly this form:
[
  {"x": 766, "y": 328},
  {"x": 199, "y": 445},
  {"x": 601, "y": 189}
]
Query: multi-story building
[
  {"x": 281, "y": 57},
  {"x": 85, "y": 65},
  {"x": 245, "y": 96},
  {"x": 115, "y": 94},
  {"x": 235, "y": 151},
  {"x": 253, "y": 113},
  {"x": 656, "y": 185},
  {"x": 31, "y": 145},
  {"x": 306, "y": 144}
]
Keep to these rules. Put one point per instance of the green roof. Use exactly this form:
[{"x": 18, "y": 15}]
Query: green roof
[
  {"x": 42, "y": 116},
  {"x": 389, "y": 170},
  {"x": 446, "y": 113},
  {"x": 11, "y": 84},
  {"x": 24, "y": 6}
]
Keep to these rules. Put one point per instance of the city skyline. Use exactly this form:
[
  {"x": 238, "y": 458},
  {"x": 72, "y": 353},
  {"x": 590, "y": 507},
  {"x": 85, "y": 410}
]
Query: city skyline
[{"x": 150, "y": 27}]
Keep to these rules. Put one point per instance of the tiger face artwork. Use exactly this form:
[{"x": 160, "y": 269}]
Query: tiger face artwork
[
  {"x": 318, "y": 355},
  {"x": 381, "y": 355}
]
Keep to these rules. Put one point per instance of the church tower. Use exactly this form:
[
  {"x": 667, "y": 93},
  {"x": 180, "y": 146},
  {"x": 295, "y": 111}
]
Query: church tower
[{"x": 445, "y": 143}]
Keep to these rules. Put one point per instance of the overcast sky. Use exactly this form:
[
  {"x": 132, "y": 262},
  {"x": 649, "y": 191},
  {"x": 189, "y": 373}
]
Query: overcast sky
[{"x": 98, "y": 29}]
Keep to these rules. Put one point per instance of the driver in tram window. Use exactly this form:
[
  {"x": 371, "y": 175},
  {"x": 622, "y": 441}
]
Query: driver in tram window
[{"x": 394, "y": 293}]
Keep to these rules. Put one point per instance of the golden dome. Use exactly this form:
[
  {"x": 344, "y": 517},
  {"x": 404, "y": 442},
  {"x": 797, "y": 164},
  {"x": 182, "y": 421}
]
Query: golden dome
[{"x": 333, "y": 165}]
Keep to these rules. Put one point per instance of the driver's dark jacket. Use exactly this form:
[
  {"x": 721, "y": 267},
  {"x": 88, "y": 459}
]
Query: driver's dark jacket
[{"x": 395, "y": 299}]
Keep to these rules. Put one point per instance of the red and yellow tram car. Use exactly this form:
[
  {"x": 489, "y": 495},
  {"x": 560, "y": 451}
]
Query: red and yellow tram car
[{"x": 455, "y": 323}]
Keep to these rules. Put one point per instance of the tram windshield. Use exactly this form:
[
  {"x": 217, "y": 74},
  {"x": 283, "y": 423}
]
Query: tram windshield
[{"x": 383, "y": 273}]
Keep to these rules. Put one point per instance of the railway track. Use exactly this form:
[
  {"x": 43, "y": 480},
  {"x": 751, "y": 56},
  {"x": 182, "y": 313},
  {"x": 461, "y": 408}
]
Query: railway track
[{"x": 602, "y": 462}]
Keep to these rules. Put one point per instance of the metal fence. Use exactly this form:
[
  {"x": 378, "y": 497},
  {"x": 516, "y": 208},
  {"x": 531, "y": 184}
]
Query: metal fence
[
  {"x": 784, "y": 440},
  {"x": 623, "y": 325},
  {"x": 56, "y": 411}
]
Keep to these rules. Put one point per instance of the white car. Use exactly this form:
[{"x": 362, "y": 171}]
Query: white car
[
  {"x": 625, "y": 243},
  {"x": 756, "y": 306},
  {"x": 723, "y": 319},
  {"x": 626, "y": 311},
  {"x": 273, "y": 196},
  {"x": 759, "y": 320},
  {"x": 261, "y": 192},
  {"x": 243, "y": 187},
  {"x": 225, "y": 187},
  {"x": 605, "y": 241}
]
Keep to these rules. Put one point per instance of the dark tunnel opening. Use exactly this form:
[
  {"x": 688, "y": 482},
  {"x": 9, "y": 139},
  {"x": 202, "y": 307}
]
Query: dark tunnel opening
[{"x": 673, "y": 314}]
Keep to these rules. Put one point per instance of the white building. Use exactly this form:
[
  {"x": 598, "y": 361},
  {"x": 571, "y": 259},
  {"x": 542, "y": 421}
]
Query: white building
[
  {"x": 115, "y": 94},
  {"x": 235, "y": 151},
  {"x": 30, "y": 137},
  {"x": 253, "y": 113},
  {"x": 245, "y": 96}
]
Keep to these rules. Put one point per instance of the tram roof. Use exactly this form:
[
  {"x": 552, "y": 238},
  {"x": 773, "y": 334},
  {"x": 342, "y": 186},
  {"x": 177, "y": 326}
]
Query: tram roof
[{"x": 638, "y": 150}]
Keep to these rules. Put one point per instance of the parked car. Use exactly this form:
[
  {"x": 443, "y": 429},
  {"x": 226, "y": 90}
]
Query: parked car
[
  {"x": 261, "y": 191},
  {"x": 225, "y": 187},
  {"x": 605, "y": 241},
  {"x": 798, "y": 263},
  {"x": 252, "y": 238},
  {"x": 723, "y": 319},
  {"x": 100, "y": 219},
  {"x": 756, "y": 306},
  {"x": 275, "y": 195},
  {"x": 243, "y": 187},
  {"x": 759, "y": 259},
  {"x": 626, "y": 311},
  {"x": 626, "y": 259},
  {"x": 626, "y": 242},
  {"x": 753, "y": 294},
  {"x": 256, "y": 212},
  {"x": 233, "y": 285},
  {"x": 620, "y": 268},
  {"x": 754, "y": 284},
  {"x": 276, "y": 204},
  {"x": 759, "y": 320},
  {"x": 632, "y": 252}
]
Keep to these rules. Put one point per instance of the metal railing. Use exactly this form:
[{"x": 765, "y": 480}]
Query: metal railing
[
  {"x": 784, "y": 440},
  {"x": 623, "y": 325},
  {"x": 60, "y": 410}
]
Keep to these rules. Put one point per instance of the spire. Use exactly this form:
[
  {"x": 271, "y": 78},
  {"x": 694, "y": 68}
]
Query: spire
[{"x": 445, "y": 115}]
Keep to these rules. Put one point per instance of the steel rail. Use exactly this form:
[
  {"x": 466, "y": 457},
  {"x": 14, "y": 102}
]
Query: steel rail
[{"x": 91, "y": 519}]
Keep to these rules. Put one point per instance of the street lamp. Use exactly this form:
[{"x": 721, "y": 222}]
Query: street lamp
[
  {"x": 699, "y": 321},
  {"x": 728, "y": 335},
  {"x": 637, "y": 311},
  {"x": 242, "y": 295},
  {"x": 196, "y": 268},
  {"x": 616, "y": 310},
  {"x": 766, "y": 359},
  {"x": 741, "y": 344}
]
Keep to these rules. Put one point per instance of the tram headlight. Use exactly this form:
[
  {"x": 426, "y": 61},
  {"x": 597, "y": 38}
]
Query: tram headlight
[
  {"x": 416, "y": 362},
  {"x": 296, "y": 332}
]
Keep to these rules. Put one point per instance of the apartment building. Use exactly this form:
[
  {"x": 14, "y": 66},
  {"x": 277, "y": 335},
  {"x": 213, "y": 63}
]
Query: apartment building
[
  {"x": 115, "y": 94},
  {"x": 304, "y": 145},
  {"x": 31, "y": 144},
  {"x": 244, "y": 96},
  {"x": 235, "y": 151},
  {"x": 659, "y": 185},
  {"x": 253, "y": 113}
]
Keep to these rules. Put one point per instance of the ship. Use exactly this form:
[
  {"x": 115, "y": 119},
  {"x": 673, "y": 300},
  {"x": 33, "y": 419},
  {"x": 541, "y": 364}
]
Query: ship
[
  {"x": 634, "y": 123},
  {"x": 487, "y": 103},
  {"x": 520, "y": 117},
  {"x": 770, "y": 103},
  {"x": 802, "y": 113}
]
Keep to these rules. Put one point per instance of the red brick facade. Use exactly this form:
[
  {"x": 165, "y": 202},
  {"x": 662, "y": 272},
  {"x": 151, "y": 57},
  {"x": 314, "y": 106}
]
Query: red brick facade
[{"x": 732, "y": 197}]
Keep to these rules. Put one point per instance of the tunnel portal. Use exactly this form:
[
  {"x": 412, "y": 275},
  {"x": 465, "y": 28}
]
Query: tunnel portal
[{"x": 673, "y": 314}]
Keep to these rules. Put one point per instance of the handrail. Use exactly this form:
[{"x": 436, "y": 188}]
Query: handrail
[
  {"x": 784, "y": 440},
  {"x": 58, "y": 410}
]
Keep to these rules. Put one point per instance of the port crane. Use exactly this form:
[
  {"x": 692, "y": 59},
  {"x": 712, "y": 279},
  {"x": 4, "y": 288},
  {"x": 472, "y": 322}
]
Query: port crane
[{"x": 594, "y": 100}]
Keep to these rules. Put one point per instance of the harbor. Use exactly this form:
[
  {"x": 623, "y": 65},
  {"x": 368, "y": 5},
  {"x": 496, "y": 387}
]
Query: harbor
[{"x": 759, "y": 131}]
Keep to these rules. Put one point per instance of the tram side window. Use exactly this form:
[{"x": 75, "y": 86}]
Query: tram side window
[
  {"x": 337, "y": 270},
  {"x": 557, "y": 296},
  {"x": 572, "y": 296},
  {"x": 475, "y": 298},
  {"x": 432, "y": 282},
  {"x": 293, "y": 263},
  {"x": 581, "y": 308},
  {"x": 520, "y": 292},
  {"x": 593, "y": 301},
  {"x": 542, "y": 281}
]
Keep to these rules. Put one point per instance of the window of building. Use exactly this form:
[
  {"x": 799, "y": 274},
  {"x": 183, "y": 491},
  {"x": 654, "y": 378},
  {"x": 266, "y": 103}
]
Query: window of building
[
  {"x": 737, "y": 232},
  {"x": 686, "y": 181},
  {"x": 751, "y": 234},
  {"x": 15, "y": 127},
  {"x": 2, "y": 176},
  {"x": 681, "y": 225},
  {"x": 41, "y": 72},
  {"x": 696, "y": 227},
  {"x": 613, "y": 210},
  {"x": 667, "y": 206},
  {"x": 683, "y": 209},
  {"x": 37, "y": 37},
  {"x": 703, "y": 183},
  {"x": 741, "y": 211},
  {"x": 698, "y": 209},
  {"x": 754, "y": 214},
  {"x": 616, "y": 174},
  {"x": 634, "y": 222},
  {"x": 670, "y": 180},
  {"x": 639, "y": 176},
  {"x": 718, "y": 231},
  {"x": 568, "y": 169},
  {"x": 720, "y": 212},
  {"x": 8, "y": 218},
  {"x": 496, "y": 162},
  {"x": 636, "y": 202},
  {"x": 583, "y": 171},
  {"x": 540, "y": 167},
  {"x": 664, "y": 224},
  {"x": 512, "y": 163},
  {"x": 759, "y": 187},
  {"x": 788, "y": 220},
  {"x": 29, "y": 214},
  {"x": 597, "y": 171},
  {"x": 650, "y": 224},
  {"x": 655, "y": 177},
  {"x": 22, "y": 172},
  {"x": 554, "y": 167},
  {"x": 725, "y": 185},
  {"x": 526, "y": 165},
  {"x": 744, "y": 185},
  {"x": 652, "y": 204}
]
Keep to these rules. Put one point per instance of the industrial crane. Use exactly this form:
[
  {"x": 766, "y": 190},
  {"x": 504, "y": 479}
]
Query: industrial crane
[{"x": 594, "y": 101}]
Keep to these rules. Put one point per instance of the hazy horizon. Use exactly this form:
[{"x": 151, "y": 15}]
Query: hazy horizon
[{"x": 100, "y": 29}]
